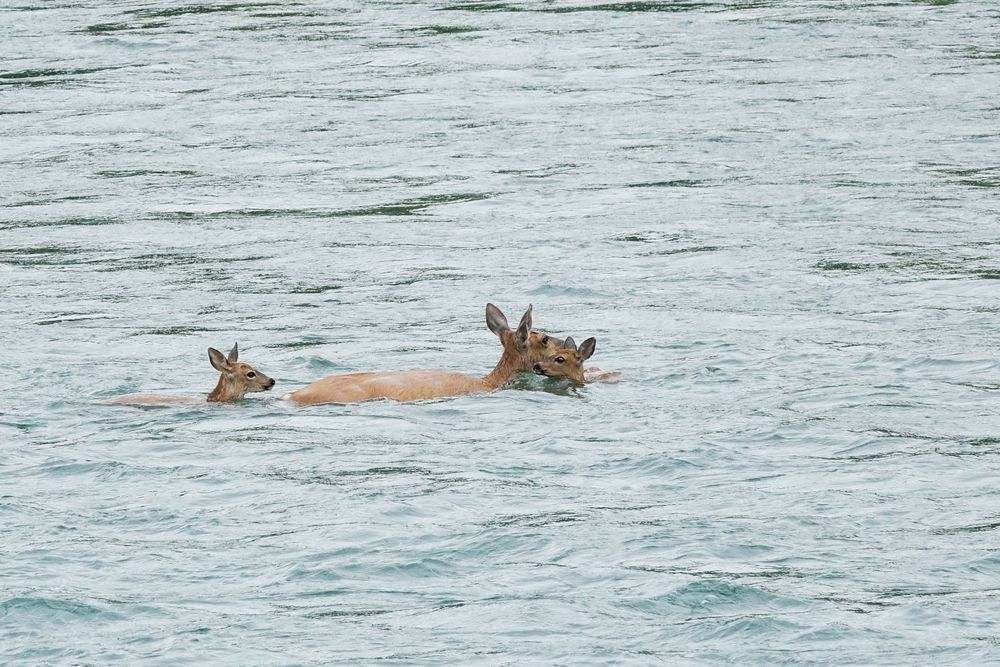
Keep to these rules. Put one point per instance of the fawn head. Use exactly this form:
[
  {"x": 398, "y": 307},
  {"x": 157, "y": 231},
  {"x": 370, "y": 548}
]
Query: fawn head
[
  {"x": 236, "y": 379},
  {"x": 540, "y": 346},
  {"x": 567, "y": 362}
]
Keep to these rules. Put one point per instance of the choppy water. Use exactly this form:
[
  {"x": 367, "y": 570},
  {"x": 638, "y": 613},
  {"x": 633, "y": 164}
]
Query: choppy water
[{"x": 780, "y": 220}]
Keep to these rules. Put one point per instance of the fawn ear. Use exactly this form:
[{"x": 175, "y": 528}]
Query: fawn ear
[
  {"x": 524, "y": 328},
  {"x": 569, "y": 343},
  {"x": 496, "y": 320},
  {"x": 218, "y": 361},
  {"x": 234, "y": 354},
  {"x": 587, "y": 348}
]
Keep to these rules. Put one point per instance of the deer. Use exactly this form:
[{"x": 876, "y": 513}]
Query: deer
[
  {"x": 520, "y": 348},
  {"x": 540, "y": 346},
  {"x": 568, "y": 363},
  {"x": 235, "y": 381}
]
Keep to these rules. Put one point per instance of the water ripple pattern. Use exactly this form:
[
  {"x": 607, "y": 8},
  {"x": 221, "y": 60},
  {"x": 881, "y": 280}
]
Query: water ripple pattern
[{"x": 779, "y": 218}]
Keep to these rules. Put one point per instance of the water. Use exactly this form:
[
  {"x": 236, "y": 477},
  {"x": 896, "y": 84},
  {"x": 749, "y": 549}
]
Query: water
[{"x": 779, "y": 219}]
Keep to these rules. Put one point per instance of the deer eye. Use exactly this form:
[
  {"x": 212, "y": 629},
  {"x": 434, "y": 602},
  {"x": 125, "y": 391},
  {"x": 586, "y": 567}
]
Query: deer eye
[
  {"x": 545, "y": 340},
  {"x": 251, "y": 375},
  {"x": 560, "y": 360}
]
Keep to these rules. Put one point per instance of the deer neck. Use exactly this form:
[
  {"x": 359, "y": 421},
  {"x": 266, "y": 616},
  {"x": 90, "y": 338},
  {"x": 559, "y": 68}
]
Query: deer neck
[
  {"x": 226, "y": 390},
  {"x": 506, "y": 369}
]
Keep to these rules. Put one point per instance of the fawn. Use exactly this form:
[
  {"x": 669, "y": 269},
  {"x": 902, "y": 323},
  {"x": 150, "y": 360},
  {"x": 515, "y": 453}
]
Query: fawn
[
  {"x": 417, "y": 385},
  {"x": 235, "y": 380},
  {"x": 540, "y": 346},
  {"x": 567, "y": 362}
]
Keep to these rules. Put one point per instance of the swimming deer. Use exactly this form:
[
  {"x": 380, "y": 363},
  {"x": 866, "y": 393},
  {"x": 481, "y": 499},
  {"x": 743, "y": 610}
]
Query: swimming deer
[
  {"x": 235, "y": 380},
  {"x": 540, "y": 346},
  {"x": 568, "y": 363},
  {"x": 418, "y": 385}
]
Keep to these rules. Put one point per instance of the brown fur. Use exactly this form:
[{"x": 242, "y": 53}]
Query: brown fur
[
  {"x": 540, "y": 346},
  {"x": 235, "y": 380},
  {"x": 426, "y": 384},
  {"x": 567, "y": 362}
]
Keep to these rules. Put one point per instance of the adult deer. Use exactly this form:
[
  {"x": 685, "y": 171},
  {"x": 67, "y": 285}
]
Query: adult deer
[
  {"x": 235, "y": 380},
  {"x": 418, "y": 385}
]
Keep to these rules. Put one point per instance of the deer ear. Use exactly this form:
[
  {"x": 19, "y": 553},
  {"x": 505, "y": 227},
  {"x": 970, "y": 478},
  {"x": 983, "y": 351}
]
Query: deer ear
[
  {"x": 569, "y": 343},
  {"x": 587, "y": 348},
  {"x": 496, "y": 320},
  {"x": 524, "y": 328},
  {"x": 218, "y": 361},
  {"x": 234, "y": 354}
]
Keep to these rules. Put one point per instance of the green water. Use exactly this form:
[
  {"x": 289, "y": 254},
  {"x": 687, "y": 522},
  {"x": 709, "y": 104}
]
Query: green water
[{"x": 779, "y": 220}]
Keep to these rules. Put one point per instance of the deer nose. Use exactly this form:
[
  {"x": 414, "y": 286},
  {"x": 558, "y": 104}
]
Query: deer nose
[
  {"x": 271, "y": 383},
  {"x": 537, "y": 368}
]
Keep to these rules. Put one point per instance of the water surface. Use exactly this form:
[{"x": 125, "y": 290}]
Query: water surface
[{"x": 778, "y": 218}]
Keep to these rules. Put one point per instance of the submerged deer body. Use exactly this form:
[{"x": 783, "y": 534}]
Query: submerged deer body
[
  {"x": 235, "y": 380},
  {"x": 418, "y": 385}
]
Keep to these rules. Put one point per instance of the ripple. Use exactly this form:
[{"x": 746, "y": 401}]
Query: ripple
[{"x": 773, "y": 215}]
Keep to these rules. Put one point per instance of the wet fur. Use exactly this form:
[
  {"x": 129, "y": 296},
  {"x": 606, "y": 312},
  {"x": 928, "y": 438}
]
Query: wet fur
[
  {"x": 415, "y": 385},
  {"x": 234, "y": 383},
  {"x": 567, "y": 362}
]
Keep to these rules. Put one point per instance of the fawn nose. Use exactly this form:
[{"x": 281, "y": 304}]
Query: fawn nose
[
  {"x": 271, "y": 383},
  {"x": 538, "y": 368}
]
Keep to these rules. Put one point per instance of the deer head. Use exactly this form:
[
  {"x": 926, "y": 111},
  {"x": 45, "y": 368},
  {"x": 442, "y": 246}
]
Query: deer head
[
  {"x": 235, "y": 379},
  {"x": 516, "y": 349},
  {"x": 540, "y": 346},
  {"x": 567, "y": 362},
  {"x": 537, "y": 346}
]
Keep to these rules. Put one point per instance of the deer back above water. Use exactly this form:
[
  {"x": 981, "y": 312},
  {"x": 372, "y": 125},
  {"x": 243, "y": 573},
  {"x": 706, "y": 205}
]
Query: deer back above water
[{"x": 426, "y": 384}]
